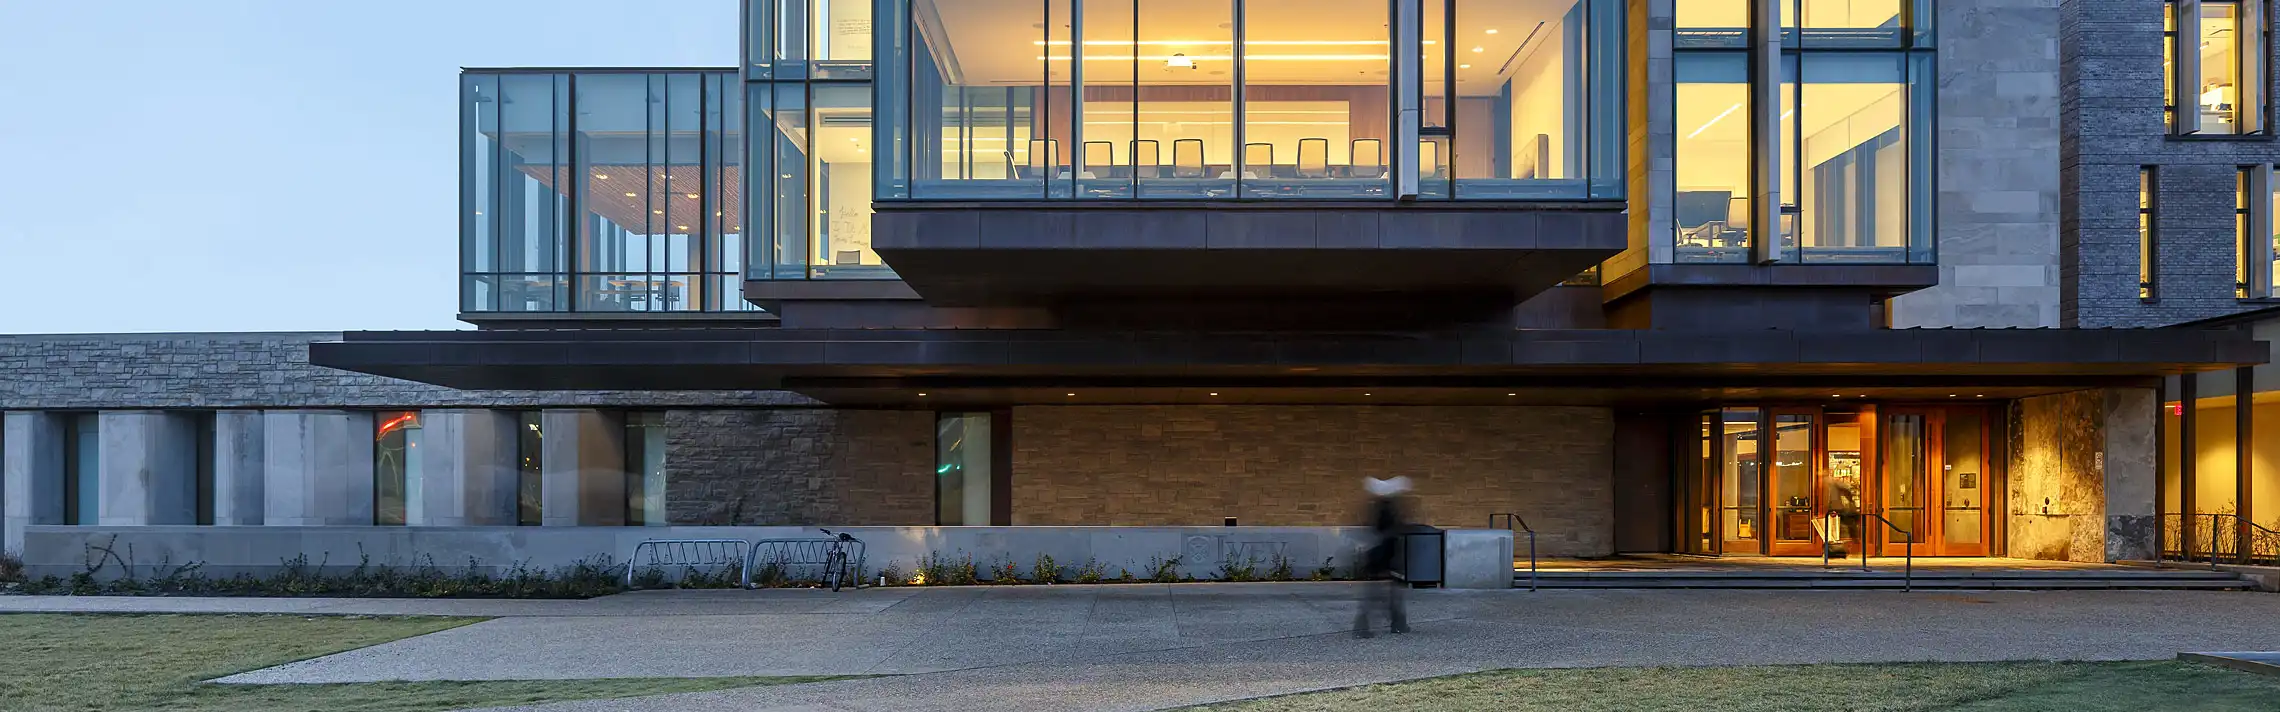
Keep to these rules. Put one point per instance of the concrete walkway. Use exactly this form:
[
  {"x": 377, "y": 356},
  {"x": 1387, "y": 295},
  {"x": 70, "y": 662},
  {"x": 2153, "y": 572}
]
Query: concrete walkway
[{"x": 1152, "y": 647}]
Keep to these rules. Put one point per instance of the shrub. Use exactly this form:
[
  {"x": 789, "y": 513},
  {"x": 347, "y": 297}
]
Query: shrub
[
  {"x": 1094, "y": 572},
  {"x": 1045, "y": 570},
  {"x": 891, "y": 575},
  {"x": 11, "y": 568},
  {"x": 1164, "y": 570},
  {"x": 1279, "y": 568},
  {"x": 1005, "y": 573},
  {"x": 1245, "y": 570},
  {"x": 1325, "y": 572}
]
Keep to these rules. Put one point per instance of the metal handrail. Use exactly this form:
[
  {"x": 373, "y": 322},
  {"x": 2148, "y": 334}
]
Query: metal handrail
[
  {"x": 1908, "y": 575},
  {"x": 1513, "y": 523},
  {"x": 2246, "y": 532}
]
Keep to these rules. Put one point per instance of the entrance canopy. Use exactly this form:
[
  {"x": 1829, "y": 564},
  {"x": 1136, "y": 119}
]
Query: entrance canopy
[{"x": 942, "y": 367}]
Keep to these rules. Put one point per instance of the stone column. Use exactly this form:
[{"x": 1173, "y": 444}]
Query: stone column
[
  {"x": 238, "y": 468},
  {"x": 318, "y": 468},
  {"x": 582, "y": 468},
  {"x": 467, "y": 468},
  {"x": 33, "y": 474},
  {"x": 147, "y": 468},
  {"x": 2132, "y": 477}
]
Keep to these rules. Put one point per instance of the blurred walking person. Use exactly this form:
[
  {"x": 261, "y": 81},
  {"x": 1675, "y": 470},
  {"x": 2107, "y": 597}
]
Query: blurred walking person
[{"x": 1385, "y": 522}]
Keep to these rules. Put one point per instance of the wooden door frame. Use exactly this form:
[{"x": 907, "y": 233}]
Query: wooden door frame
[
  {"x": 1940, "y": 545},
  {"x": 1815, "y": 460}
]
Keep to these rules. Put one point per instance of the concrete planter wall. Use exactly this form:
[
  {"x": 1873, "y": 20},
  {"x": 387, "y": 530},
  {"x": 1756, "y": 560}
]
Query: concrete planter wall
[{"x": 1476, "y": 558}]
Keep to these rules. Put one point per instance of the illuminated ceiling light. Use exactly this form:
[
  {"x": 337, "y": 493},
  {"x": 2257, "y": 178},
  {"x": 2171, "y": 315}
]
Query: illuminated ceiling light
[
  {"x": 692, "y": 196},
  {"x": 1511, "y": 394},
  {"x": 1492, "y": 30},
  {"x": 922, "y": 395},
  {"x": 601, "y": 176},
  {"x": 659, "y": 212},
  {"x": 1179, "y": 61},
  {"x": 680, "y": 227},
  {"x": 1706, "y": 126},
  {"x": 1072, "y": 395},
  {"x": 1480, "y": 49},
  {"x": 1464, "y": 66},
  {"x": 629, "y": 195},
  {"x": 1215, "y": 393}
]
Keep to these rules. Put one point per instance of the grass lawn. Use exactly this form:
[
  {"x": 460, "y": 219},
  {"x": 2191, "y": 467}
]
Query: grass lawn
[
  {"x": 157, "y": 662},
  {"x": 1978, "y": 687}
]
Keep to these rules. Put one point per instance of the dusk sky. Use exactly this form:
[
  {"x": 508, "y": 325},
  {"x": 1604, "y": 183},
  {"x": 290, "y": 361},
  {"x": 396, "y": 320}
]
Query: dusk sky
[{"x": 271, "y": 165}]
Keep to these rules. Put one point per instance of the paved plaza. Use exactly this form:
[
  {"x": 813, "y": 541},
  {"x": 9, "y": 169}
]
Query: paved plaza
[{"x": 1151, "y": 647}]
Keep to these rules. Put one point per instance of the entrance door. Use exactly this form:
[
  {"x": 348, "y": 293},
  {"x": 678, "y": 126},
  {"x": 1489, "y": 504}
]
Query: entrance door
[
  {"x": 1961, "y": 529},
  {"x": 1794, "y": 484},
  {"x": 1907, "y": 453}
]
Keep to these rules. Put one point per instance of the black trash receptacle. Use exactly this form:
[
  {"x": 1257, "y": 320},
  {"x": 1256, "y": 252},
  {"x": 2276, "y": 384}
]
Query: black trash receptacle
[{"x": 1419, "y": 558}]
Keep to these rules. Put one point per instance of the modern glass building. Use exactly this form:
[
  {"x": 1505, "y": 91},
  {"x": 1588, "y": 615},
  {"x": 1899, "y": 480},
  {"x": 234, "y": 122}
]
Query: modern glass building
[{"x": 1721, "y": 277}]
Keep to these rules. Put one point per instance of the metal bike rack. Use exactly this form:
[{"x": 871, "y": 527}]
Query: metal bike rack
[
  {"x": 794, "y": 554},
  {"x": 686, "y": 553}
]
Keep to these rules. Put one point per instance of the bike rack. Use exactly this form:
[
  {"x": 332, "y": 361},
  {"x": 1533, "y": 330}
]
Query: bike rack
[
  {"x": 1514, "y": 523},
  {"x": 686, "y": 553},
  {"x": 801, "y": 552}
]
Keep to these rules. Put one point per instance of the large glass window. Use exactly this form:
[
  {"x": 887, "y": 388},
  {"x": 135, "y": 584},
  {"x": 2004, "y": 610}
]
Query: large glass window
[
  {"x": 2149, "y": 252},
  {"x": 645, "y": 469},
  {"x": 1181, "y": 99},
  {"x": 2224, "y": 77},
  {"x": 1854, "y": 158},
  {"x": 636, "y": 211},
  {"x": 962, "y": 469},
  {"x": 1712, "y": 203},
  {"x": 1740, "y": 480},
  {"x": 839, "y": 171},
  {"x": 395, "y": 468},
  {"x": 1845, "y": 156},
  {"x": 202, "y": 447}
]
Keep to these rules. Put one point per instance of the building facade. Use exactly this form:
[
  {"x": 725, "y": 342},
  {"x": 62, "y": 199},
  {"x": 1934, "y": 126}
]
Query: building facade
[{"x": 1721, "y": 277}]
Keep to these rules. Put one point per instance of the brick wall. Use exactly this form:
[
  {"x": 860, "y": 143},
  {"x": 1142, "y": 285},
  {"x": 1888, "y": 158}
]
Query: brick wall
[
  {"x": 793, "y": 466},
  {"x": 264, "y": 370},
  {"x": 2111, "y": 86},
  {"x": 1303, "y": 465}
]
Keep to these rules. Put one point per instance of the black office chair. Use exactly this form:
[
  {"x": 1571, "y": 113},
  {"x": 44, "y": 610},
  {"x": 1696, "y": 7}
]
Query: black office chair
[{"x": 1313, "y": 158}]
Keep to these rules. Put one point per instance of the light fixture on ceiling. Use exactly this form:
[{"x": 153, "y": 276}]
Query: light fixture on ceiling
[
  {"x": 1464, "y": 66},
  {"x": 629, "y": 195},
  {"x": 659, "y": 212},
  {"x": 680, "y": 227},
  {"x": 692, "y": 196},
  {"x": 922, "y": 395},
  {"x": 1478, "y": 49},
  {"x": 1215, "y": 393},
  {"x": 1492, "y": 30},
  {"x": 1072, "y": 395},
  {"x": 601, "y": 176},
  {"x": 1179, "y": 60}
]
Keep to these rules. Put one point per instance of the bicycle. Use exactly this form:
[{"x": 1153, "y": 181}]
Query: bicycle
[{"x": 837, "y": 570}]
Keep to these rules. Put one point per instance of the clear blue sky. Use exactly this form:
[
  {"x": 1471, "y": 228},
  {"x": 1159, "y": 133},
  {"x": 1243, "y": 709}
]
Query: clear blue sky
[{"x": 268, "y": 165}]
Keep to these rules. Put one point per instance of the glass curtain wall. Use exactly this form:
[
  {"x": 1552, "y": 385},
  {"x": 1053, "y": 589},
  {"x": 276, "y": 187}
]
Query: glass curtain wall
[
  {"x": 1269, "y": 99},
  {"x": 599, "y": 191},
  {"x": 1855, "y": 89},
  {"x": 807, "y": 105}
]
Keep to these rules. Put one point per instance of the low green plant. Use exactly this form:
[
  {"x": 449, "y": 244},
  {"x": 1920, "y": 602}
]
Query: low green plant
[
  {"x": 11, "y": 568},
  {"x": 1093, "y": 572},
  {"x": 1045, "y": 570},
  {"x": 297, "y": 576},
  {"x": 1278, "y": 568},
  {"x": 1325, "y": 572},
  {"x": 1244, "y": 570},
  {"x": 1164, "y": 570},
  {"x": 1005, "y": 573},
  {"x": 1125, "y": 575},
  {"x": 891, "y": 575}
]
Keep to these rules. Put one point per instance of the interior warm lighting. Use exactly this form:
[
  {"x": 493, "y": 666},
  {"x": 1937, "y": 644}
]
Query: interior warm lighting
[
  {"x": 692, "y": 196},
  {"x": 680, "y": 227},
  {"x": 1511, "y": 394},
  {"x": 629, "y": 195},
  {"x": 1215, "y": 393},
  {"x": 1492, "y": 30},
  {"x": 1480, "y": 49},
  {"x": 601, "y": 176},
  {"x": 659, "y": 212},
  {"x": 1179, "y": 61},
  {"x": 1216, "y": 43},
  {"x": 1464, "y": 66},
  {"x": 922, "y": 395},
  {"x": 1072, "y": 395},
  {"x": 1223, "y": 57}
]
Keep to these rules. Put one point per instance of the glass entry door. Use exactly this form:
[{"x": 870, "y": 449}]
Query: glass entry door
[
  {"x": 1962, "y": 526},
  {"x": 1795, "y": 484},
  {"x": 1907, "y": 454},
  {"x": 1935, "y": 482}
]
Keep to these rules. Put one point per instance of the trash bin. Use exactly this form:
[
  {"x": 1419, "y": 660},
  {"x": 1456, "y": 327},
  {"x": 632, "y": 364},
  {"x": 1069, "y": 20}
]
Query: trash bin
[{"x": 1419, "y": 559}]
